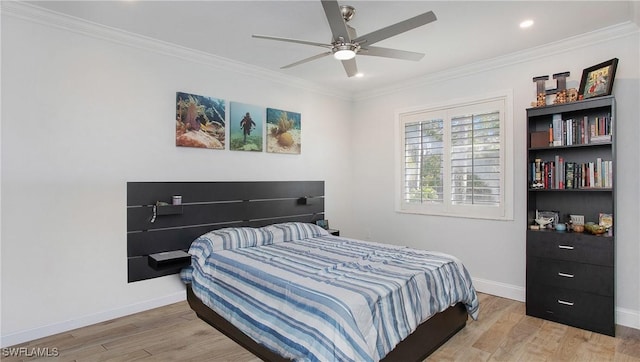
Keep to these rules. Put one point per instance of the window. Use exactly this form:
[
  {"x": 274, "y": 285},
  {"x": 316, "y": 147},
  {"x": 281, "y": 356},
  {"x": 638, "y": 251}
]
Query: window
[{"x": 455, "y": 159}]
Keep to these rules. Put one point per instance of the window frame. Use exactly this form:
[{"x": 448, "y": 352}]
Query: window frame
[{"x": 449, "y": 110}]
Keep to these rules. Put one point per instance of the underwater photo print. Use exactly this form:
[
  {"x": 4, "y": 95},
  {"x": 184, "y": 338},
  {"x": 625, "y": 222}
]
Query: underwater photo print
[
  {"x": 283, "y": 131},
  {"x": 200, "y": 121},
  {"x": 245, "y": 130}
]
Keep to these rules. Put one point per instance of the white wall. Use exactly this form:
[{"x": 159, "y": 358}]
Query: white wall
[
  {"x": 494, "y": 251},
  {"x": 81, "y": 116}
]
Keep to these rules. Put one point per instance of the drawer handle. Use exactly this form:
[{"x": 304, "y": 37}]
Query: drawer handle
[
  {"x": 566, "y": 275},
  {"x": 567, "y": 247},
  {"x": 570, "y": 304}
]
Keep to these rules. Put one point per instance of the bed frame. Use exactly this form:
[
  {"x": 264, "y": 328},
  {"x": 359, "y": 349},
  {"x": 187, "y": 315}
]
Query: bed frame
[
  {"x": 212, "y": 205},
  {"x": 416, "y": 347}
]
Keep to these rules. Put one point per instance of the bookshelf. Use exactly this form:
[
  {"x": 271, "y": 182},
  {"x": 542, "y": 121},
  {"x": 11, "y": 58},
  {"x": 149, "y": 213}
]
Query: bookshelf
[{"x": 571, "y": 171}]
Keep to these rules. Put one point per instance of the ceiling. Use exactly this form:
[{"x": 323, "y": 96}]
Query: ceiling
[{"x": 466, "y": 31}]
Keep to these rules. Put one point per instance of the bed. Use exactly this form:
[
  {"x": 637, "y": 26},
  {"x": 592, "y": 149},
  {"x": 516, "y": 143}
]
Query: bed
[
  {"x": 276, "y": 218},
  {"x": 300, "y": 293}
]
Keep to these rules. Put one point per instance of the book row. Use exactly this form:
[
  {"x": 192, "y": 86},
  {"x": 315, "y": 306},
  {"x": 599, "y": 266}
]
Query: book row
[
  {"x": 579, "y": 131},
  {"x": 561, "y": 175}
]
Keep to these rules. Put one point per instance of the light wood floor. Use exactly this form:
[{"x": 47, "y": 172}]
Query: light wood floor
[{"x": 174, "y": 333}]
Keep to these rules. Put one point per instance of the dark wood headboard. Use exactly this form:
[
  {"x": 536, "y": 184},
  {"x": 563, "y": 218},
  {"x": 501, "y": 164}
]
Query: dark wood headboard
[{"x": 208, "y": 206}]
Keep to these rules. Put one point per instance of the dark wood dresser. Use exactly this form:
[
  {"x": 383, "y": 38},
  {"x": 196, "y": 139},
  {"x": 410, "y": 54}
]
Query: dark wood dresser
[{"x": 570, "y": 279}]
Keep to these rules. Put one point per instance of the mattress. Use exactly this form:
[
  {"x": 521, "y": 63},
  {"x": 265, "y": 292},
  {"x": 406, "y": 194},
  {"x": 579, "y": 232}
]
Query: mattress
[{"x": 311, "y": 296}]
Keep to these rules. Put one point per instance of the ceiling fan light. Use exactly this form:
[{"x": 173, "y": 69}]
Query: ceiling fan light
[
  {"x": 344, "y": 54},
  {"x": 345, "y": 51}
]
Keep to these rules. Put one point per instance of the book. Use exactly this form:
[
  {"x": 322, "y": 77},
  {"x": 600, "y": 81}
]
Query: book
[
  {"x": 561, "y": 177},
  {"x": 569, "y": 175},
  {"x": 545, "y": 174},
  {"x": 557, "y": 129},
  {"x": 598, "y": 172},
  {"x": 537, "y": 178},
  {"x": 556, "y": 178}
]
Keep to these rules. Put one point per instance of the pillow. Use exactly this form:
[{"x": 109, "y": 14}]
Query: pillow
[
  {"x": 227, "y": 238},
  {"x": 291, "y": 231}
]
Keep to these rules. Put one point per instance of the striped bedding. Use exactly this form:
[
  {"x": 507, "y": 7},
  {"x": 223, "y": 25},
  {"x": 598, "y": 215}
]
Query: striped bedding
[{"x": 311, "y": 296}]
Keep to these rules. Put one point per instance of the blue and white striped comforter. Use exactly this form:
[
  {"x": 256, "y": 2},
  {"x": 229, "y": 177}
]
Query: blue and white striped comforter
[{"x": 328, "y": 298}]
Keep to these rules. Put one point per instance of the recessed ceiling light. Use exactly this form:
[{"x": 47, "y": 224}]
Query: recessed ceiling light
[
  {"x": 526, "y": 24},
  {"x": 359, "y": 75}
]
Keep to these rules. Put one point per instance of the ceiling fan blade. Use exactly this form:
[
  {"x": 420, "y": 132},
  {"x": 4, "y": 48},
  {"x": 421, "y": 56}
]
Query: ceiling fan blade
[
  {"x": 336, "y": 21},
  {"x": 292, "y": 40},
  {"x": 395, "y": 29},
  {"x": 350, "y": 67},
  {"x": 391, "y": 53},
  {"x": 306, "y": 60}
]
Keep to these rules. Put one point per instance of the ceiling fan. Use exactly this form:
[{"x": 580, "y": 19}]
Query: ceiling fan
[{"x": 345, "y": 43}]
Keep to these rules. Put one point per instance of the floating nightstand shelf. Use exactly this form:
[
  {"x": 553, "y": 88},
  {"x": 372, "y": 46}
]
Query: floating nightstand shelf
[
  {"x": 169, "y": 210},
  {"x": 163, "y": 209},
  {"x": 169, "y": 260}
]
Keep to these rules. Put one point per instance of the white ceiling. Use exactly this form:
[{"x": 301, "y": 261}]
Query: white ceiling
[{"x": 465, "y": 32}]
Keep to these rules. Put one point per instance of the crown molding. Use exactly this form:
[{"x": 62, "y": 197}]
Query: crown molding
[
  {"x": 35, "y": 14},
  {"x": 47, "y": 17},
  {"x": 544, "y": 51}
]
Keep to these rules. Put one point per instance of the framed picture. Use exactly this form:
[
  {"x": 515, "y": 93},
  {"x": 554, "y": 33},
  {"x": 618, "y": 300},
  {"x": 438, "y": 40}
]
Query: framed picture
[
  {"x": 200, "y": 121},
  {"x": 550, "y": 214},
  {"x": 245, "y": 128},
  {"x": 283, "y": 131},
  {"x": 598, "y": 80},
  {"x": 323, "y": 224},
  {"x": 605, "y": 220}
]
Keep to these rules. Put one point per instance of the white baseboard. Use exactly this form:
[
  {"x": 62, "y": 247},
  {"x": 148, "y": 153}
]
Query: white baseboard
[
  {"x": 628, "y": 317},
  {"x": 49, "y": 330},
  {"x": 499, "y": 289},
  {"x": 624, "y": 317}
]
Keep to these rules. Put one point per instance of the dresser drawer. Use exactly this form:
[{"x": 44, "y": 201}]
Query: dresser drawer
[
  {"x": 589, "y": 278},
  {"x": 578, "y": 309},
  {"x": 578, "y": 247}
]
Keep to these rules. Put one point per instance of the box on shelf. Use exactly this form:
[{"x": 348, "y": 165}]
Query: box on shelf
[{"x": 539, "y": 139}]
